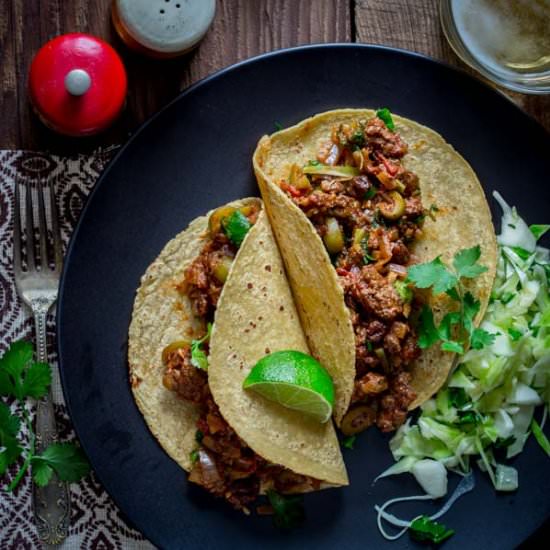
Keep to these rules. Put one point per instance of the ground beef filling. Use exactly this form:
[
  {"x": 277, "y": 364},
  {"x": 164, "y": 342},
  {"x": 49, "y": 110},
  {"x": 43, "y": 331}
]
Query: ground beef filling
[
  {"x": 223, "y": 464},
  {"x": 378, "y": 213}
]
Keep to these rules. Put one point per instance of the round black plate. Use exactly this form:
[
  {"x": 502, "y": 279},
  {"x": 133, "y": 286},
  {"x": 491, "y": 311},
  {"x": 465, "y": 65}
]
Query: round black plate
[{"x": 195, "y": 155}]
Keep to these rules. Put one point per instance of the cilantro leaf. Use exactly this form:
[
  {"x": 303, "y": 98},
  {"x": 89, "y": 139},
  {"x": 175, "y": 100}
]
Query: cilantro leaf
[
  {"x": 452, "y": 346},
  {"x": 38, "y": 378},
  {"x": 12, "y": 365},
  {"x": 199, "y": 359},
  {"x": 432, "y": 274},
  {"x": 385, "y": 115},
  {"x": 465, "y": 262},
  {"x": 447, "y": 323},
  {"x": 404, "y": 290},
  {"x": 471, "y": 309},
  {"x": 425, "y": 529},
  {"x": 194, "y": 456},
  {"x": 371, "y": 191},
  {"x": 427, "y": 333},
  {"x": 288, "y": 510},
  {"x": 481, "y": 338},
  {"x": 19, "y": 376},
  {"x": 236, "y": 227},
  {"x": 515, "y": 335},
  {"x": 9, "y": 428},
  {"x": 41, "y": 473},
  {"x": 349, "y": 441},
  {"x": 539, "y": 230},
  {"x": 66, "y": 459}
]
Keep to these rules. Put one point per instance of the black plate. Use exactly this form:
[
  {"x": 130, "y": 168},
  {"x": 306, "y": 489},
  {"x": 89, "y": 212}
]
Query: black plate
[{"x": 195, "y": 155}]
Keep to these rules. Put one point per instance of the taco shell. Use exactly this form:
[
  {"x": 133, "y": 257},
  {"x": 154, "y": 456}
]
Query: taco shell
[{"x": 463, "y": 220}]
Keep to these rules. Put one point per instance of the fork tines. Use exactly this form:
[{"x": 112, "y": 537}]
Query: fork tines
[{"x": 39, "y": 206}]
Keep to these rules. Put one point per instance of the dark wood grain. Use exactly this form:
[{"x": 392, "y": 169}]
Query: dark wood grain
[
  {"x": 415, "y": 26},
  {"x": 241, "y": 29}
]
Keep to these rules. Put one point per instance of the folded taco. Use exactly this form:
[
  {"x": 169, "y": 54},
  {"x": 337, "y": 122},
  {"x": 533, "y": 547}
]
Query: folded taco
[
  {"x": 212, "y": 304},
  {"x": 355, "y": 197}
]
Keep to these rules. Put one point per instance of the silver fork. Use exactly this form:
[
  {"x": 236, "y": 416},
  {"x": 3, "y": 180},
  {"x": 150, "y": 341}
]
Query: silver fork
[{"x": 37, "y": 285}]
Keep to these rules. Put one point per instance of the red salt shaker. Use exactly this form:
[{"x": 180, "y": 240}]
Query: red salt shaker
[{"x": 77, "y": 84}]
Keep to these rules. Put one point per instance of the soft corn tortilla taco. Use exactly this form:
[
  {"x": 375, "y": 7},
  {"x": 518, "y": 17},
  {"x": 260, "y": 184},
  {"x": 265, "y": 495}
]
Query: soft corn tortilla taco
[
  {"x": 233, "y": 443},
  {"x": 352, "y": 207}
]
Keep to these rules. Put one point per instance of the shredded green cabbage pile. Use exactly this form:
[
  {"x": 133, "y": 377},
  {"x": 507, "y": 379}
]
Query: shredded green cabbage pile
[{"x": 486, "y": 408}]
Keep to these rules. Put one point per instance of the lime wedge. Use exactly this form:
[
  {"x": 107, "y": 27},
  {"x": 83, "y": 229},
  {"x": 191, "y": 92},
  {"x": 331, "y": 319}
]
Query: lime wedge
[{"x": 294, "y": 380}]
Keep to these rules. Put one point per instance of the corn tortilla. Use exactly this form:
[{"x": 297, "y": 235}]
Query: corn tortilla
[
  {"x": 463, "y": 220},
  {"x": 249, "y": 322}
]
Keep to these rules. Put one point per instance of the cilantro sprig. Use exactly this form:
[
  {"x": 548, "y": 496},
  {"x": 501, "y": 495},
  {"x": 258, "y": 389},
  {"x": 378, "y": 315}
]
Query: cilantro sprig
[
  {"x": 425, "y": 529},
  {"x": 199, "y": 358},
  {"x": 456, "y": 331},
  {"x": 20, "y": 378},
  {"x": 288, "y": 511}
]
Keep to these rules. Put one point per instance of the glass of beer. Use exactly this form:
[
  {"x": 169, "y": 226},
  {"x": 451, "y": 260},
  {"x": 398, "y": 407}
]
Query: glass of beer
[{"x": 507, "y": 41}]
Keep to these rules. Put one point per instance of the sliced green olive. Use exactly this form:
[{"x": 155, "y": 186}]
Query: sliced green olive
[
  {"x": 381, "y": 354},
  {"x": 358, "y": 419},
  {"x": 393, "y": 209},
  {"x": 359, "y": 234},
  {"x": 334, "y": 237},
  {"x": 178, "y": 344},
  {"x": 221, "y": 269}
]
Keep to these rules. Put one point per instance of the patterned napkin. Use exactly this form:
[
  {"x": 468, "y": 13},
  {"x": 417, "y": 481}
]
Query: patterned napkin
[{"x": 96, "y": 522}]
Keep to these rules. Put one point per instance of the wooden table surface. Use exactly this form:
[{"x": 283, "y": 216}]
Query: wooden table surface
[{"x": 241, "y": 29}]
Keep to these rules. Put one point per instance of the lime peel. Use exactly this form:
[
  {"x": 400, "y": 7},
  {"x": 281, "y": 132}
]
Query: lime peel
[{"x": 296, "y": 381}]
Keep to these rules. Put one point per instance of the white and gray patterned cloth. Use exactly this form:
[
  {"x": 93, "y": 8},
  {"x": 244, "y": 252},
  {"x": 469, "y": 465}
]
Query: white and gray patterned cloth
[{"x": 96, "y": 522}]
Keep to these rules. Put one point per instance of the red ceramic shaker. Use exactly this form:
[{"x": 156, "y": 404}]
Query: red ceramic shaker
[{"x": 77, "y": 84}]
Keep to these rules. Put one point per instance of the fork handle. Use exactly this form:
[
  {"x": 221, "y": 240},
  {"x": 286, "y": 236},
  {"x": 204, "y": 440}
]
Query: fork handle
[{"x": 51, "y": 504}]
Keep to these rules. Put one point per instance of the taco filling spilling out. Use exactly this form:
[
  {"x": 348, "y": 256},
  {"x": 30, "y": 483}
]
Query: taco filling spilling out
[
  {"x": 222, "y": 462},
  {"x": 368, "y": 211}
]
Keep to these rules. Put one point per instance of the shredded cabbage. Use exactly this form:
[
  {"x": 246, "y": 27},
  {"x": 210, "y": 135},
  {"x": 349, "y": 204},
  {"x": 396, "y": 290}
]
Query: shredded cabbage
[{"x": 486, "y": 408}]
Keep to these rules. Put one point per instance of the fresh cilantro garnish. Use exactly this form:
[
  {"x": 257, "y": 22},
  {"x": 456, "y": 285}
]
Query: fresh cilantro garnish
[
  {"x": 540, "y": 436},
  {"x": 425, "y": 529},
  {"x": 515, "y": 335},
  {"x": 278, "y": 126},
  {"x": 349, "y": 441},
  {"x": 288, "y": 510},
  {"x": 465, "y": 263},
  {"x": 481, "y": 338},
  {"x": 456, "y": 330},
  {"x": 371, "y": 191},
  {"x": 194, "y": 456},
  {"x": 236, "y": 227},
  {"x": 21, "y": 377},
  {"x": 432, "y": 274},
  {"x": 369, "y": 345},
  {"x": 521, "y": 252},
  {"x": 199, "y": 359},
  {"x": 385, "y": 115},
  {"x": 67, "y": 460},
  {"x": 539, "y": 230},
  {"x": 404, "y": 290},
  {"x": 458, "y": 397}
]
